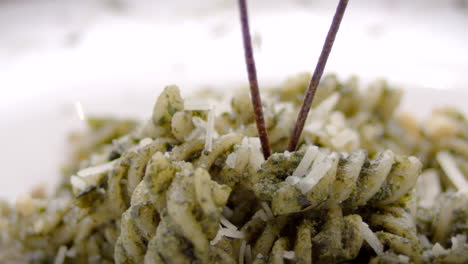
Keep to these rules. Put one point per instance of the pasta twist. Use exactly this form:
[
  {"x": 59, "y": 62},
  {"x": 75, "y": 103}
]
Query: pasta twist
[
  {"x": 304, "y": 238},
  {"x": 398, "y": 232},
  {"x": 352, "y": 180},
  {"x": 339, "y": 239}
]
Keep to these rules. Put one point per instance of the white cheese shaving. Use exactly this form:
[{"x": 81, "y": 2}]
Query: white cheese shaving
[
  {"x": 78, "y": 183},
  {"x": 306, "y": 161},
  {"x": 438, "y": 250},
  {"x": 248, "y": 254},
  {"x": 260, "y": 214},
  {"x": 267, "y": 209},
  {"x": 210, "y": 130},
  {"x": 71, "y": 253},
  {"x": 326, "y": 106},
  {"x": 320, "y": 167},
  {"x": 97, "y": 169},
  {"x": 344, "y": 138},
  {"x": 425, "y": 243},
  {"x": 458, "y": 241},
  {"x": 447, "y": 162},
  {"x": 80, "y": 111},
  {"x": 227, "y": 233},
  {"x": 199, "y": 131},
  {"x": 234, "y": 233},
  {"x": 91, "y": 175},
  {"x": 403, "y": 259},
  {"x": 227, "y": 212},
  {"x": 201, "y": 127},
  {"x": 231, "y": 160},
  {"x": 315, "y": 126},
  {"x": 292, "y": 180},
  {"x": 248, "y": 153},
  {"x": 256, "y": 157},
  {"x": 227, "y": 224},
  {"x": 371, "y": 238},
  {"x": 145, "y": 142},
  {"x": 218, "y": 236},
  {"x": 318, "y": 115},
  {"x": 428, "y": 188},
  {"x": 291, "y": 255},
  {"x": 61, "y": 254},
  {"x": 242, "y": 252}
]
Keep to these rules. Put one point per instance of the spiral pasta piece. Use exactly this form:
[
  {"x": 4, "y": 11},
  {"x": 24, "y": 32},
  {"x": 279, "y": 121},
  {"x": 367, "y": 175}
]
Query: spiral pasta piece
[
  {"x": 399, "y": 232},
  {"x": 339, "y": 238},
  {"x": 189, "y": 198},
  {"x": 353, "y": 180}
]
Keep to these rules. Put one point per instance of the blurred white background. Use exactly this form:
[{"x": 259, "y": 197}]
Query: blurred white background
[{"x": 115, "y": 56}]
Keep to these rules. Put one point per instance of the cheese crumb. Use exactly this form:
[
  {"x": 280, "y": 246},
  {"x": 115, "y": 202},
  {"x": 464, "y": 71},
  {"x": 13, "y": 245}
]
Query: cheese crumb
[
  {"x": 291, "y": 255},
  {"x": 447, "y": 162},
  {"x": 371, "y": 238}
]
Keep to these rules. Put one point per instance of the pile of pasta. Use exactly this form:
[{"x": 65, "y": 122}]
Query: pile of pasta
[{"x": 190, "y": 185}]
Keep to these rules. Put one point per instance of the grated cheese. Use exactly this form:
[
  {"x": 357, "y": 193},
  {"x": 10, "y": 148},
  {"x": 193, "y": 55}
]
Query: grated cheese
[
  {"x": 210, "y": 129},
  {"x": 425, "y": 243},
  {"x": 458, "y": 241},
  {"x": 256, "y": 157},
  {"x": 199, "y": 131},
  {"x": 231, "y": 160},
  {"x": 291, "y": 255},
  {"x": 202, "y": 127},
  {"x": 292, "y": 180},
  {"x": 218, "y": 236},
  {"x": 71, "y": 253},
  {"x": 80, "y": 111},
  {"x": 234, "y": 234},
  {"x": 227, "y": 233},
  {"x": 61, "y": 254},
  {"x": 227, "y": 212},
  {"x": 242, "y": 252},
  {"x": 267, "y": 209},
  {"x": 78, "y": 183},
  {"x": 91, "y": 175},
  {"x": 248, "y": 153},
  {"x": 260, "y": 214},
  {"x": 447, "y": 162},
  {"x": 428, "y": 188},
  {"x": 145, "y": 142},
  {"x": 321, "y": 166},
  {"x": 404, "y": 259},
  {"x": 248, "y": 254},
  {"x": 438, "y": 250},
  {"x": 227, "y": 224},
  {"x": 371, "y": 238},
  {"x": 97, "y": 169},
  {"x": 306, "y": 161},
  {"x": 327, "y": 105}
]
